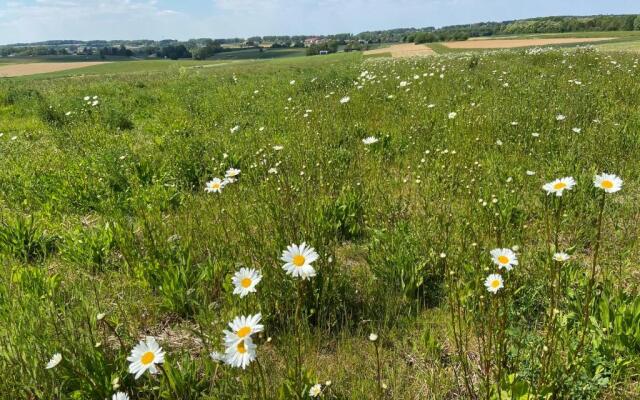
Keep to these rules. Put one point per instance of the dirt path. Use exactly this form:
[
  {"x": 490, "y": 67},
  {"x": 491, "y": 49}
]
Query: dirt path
[
  {"x": 41, "y": 68},
  {"x": 402, "y": 50},
  {"x": 511, "y": 43}
]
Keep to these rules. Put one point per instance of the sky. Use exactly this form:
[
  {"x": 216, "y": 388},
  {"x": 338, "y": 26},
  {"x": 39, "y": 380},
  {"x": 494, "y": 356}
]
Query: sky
[{"x": 37, "y": 20}]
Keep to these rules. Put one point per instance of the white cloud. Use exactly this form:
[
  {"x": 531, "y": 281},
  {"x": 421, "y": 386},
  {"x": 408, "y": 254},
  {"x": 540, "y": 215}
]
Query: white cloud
[
  {"x": 87, "y": 19},
  {"x": 22, "y": 21}
]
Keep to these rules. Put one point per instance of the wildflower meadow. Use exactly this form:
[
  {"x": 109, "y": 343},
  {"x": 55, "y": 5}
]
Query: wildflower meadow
[{"x": 460, "y": 226}]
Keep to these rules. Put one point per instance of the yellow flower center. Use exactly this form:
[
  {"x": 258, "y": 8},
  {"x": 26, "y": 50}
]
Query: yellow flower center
[
  {"x": 241, "y": 348},
  {"x": 607, "y": 184},
  {"x": 503, "y": 259},
  {"x": 495, "y": 284},
  {"x": 246, "y": 282},
  {"x": 244, "y": 331},
  {"x": 147, "y": 358},
  {"x": 215, "y": 186},
  {"x": 559, "y": 186},
  {"x": 298, "y": 260}
]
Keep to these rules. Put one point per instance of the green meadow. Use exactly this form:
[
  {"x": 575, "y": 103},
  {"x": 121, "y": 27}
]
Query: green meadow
[{"x": 402, "y": 175}]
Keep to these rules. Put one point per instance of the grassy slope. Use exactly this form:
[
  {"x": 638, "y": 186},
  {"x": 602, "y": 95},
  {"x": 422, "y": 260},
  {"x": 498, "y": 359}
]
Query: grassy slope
[
  {"x": 115, "y": 66},
  {"x": 123, "y": 67},
  {"x": 122, "y": 210}
]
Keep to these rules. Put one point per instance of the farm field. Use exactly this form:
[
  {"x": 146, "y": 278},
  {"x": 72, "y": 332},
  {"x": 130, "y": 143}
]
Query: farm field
[
  {"x": 401, "y": 50},
  {"x": 633, "y": 46},
  {"x": 114, "y": 68},
  {"x": 259, "y": 54},
  {"x": 12, "y": 70},
  {"x": 67, "y": 66},
  {"x": 465, "y": 242},
  {"x": 512, "y": 43}
]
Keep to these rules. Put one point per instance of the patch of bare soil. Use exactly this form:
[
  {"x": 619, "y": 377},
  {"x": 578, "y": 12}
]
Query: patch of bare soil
[
  {"x": 41, "y": 68},
  {"x": 402, "y": 50}
]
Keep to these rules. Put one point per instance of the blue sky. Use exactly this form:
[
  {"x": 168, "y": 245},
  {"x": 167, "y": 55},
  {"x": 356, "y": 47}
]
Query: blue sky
[{"x": 34, "y": 20}]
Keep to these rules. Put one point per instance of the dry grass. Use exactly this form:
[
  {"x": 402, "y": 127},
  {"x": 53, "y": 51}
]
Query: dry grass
[
  {"x": 403, "y": 50},
  {"x": 512, "y": 43},
  {"x": 41, "y": 68}
]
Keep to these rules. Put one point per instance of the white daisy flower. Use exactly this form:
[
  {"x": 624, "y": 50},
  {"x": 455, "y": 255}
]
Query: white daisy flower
[
  {"x": 373, "y": 337},
  {"x": 561, "y": 257},
  {"x": 215, "y": 185},
  {"x": 345, "y": 100},
  {"x": 235, "y": 129},
  {"x": 608, "y": 182},
  {"x": 316, "y": 390},
  {"x": 494, "y": 283},
  {"x": 144, "y": 356},
  {"x": 120, "y": 396},
  {"x": 504, "y": 258},
  {"x": 278, "y": 148},
  {"x": 370, "y": 140},
  {"x": 245, "y": 281},
  {"x": 576, "y": 130},
  {"x": 242, "y": 328},
  {"x": 298, "y": 261},
  {"x": 452, "y": 115},
  {"x": 293, "y": 82},
  {"x": 54, "y": 361},
  {"x": 558, "y": 186},
  {"x": 241, "y": 353},
  {"x": 231, "y": 174},
  {"x": 560, "y": 117}
]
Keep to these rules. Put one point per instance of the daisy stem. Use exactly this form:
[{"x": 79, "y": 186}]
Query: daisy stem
[
  {"x": 586, "y": 307},
  {"x": 555, "y": 288},
  {"x": 299, "y": 341},
  {"x": 381, "y": 394},
  {"x": 556, "y": 234},
  {"x": 115, "y": 333},
  {"x": 263, "y": 382}
]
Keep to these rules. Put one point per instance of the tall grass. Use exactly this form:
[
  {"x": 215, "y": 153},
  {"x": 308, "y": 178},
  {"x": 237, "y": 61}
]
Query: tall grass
[{"x": 107, "y": 234}]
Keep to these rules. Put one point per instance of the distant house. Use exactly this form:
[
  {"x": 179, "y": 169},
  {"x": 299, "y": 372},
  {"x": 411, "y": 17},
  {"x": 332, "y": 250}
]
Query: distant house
[
  {"x": 312, "y": 40},
  {"x": 324, "y": 52}
]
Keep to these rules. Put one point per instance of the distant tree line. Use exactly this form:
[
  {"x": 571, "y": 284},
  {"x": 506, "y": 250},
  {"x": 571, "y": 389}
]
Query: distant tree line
[
  {"x": 115, "y": 51},
  {"x": 203, "y": 48},
  {"x": 528, "y": 26},
  {"x": 436, "y": 36}
]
